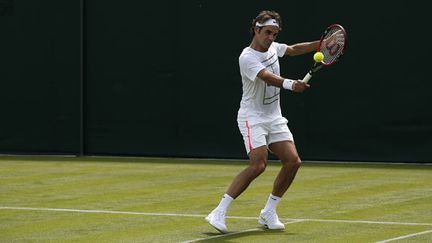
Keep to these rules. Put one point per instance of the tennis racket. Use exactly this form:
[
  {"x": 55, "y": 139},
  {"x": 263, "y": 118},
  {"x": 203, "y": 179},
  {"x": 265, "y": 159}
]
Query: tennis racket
[{"x": 332, "y": 45}]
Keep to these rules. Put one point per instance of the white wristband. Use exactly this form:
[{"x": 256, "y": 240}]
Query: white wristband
[{"x": 288, "y": 84}]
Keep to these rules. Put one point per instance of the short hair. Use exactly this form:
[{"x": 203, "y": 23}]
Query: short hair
[{"x": 263, "y": 16}]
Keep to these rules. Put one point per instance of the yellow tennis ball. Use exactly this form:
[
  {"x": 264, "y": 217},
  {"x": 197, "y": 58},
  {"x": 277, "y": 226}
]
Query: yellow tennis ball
[{"x": 318, "y": 56}]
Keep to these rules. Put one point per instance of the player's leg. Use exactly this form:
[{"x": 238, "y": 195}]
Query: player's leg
[
  {"x": 257, "y": 165},
  {"x": 255, "y": 138},
  {"x": 256, "y": 147},
  {"x": 286, "y": 151},
  {"x": 281, "y": 144}
]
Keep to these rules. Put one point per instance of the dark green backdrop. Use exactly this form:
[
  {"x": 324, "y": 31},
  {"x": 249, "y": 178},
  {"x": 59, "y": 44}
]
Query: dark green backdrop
[{"x": 103, "y": 77}]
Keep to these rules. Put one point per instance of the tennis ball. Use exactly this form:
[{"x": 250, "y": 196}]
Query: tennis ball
[{"x": 318, "y": 56}]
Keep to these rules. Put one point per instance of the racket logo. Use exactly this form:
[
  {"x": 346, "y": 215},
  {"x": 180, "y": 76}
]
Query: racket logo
[
  {"x": 333, "y": 47},
  {"x": 334, "y": 40}
]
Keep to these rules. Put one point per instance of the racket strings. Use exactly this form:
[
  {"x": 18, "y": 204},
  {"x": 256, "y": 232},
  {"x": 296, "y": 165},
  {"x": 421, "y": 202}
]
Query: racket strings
[{"x": 333, "y": 45}]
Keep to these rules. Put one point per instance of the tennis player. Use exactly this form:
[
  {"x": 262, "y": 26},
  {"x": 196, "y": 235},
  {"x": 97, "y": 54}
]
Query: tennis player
[{"x": 260, "y": 119}]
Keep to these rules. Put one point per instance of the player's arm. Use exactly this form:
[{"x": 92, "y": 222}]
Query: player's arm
[
  {"x": 301, "y": 48},
  {"x": 275, "y": 80}
]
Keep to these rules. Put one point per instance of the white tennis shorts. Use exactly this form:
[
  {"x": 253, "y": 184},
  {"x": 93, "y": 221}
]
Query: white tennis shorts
[{"x": 261, "y": 134}]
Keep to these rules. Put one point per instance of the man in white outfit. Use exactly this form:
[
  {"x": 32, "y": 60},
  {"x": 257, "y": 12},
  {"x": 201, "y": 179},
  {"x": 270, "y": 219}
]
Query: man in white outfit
[{"x": 260, "y": 119}]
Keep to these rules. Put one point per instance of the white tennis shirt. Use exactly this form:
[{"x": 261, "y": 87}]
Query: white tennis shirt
[{"x": 260, "y": 101}]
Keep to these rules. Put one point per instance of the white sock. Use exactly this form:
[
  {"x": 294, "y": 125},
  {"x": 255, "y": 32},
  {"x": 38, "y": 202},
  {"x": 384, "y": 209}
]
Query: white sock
[
  {"x": 272, "y": 203},
  {"x": 225, "y": 202}
]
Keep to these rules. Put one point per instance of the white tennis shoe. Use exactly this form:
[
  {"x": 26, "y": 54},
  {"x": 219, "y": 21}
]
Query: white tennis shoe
[
  {"x": 217, "y": 219},
  {"x": 270, "y": 220}
]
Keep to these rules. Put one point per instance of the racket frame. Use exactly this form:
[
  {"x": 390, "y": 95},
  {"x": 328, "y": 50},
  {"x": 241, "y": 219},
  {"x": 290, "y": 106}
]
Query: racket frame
[{"x": 318, "y": 65}]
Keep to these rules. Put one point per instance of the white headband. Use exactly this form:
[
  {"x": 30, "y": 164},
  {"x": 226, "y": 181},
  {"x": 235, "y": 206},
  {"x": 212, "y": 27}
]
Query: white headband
[{"x": 270, "y": 22}]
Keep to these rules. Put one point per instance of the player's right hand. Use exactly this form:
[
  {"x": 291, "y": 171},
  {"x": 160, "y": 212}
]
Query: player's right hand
[{"x": 299, "y": 86}]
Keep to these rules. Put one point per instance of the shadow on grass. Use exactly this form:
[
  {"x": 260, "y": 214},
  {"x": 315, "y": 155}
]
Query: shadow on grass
[{"x": 259, "y": 233}]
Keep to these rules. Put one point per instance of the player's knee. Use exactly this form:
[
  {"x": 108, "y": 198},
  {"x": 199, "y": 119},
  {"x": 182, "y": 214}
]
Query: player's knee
[
  {"x": 293, "y": 163},
  {"x": 297, "y": 162},
  {"x": 258, "y": 167}
]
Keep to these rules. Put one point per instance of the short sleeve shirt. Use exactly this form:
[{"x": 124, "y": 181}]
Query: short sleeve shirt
[{"x": 260, "y": 101}]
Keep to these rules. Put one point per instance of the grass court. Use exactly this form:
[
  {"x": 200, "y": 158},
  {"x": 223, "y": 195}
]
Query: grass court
[{"x": 97, "y": 199}]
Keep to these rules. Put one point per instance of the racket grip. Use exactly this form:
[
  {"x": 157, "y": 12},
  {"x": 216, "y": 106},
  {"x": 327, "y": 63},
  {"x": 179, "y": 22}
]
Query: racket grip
[{"x": 307, "y": 77}]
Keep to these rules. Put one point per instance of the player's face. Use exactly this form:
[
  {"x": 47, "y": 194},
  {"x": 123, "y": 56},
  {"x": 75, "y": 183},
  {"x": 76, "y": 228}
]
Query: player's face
[{"x": 266, "y": 35}]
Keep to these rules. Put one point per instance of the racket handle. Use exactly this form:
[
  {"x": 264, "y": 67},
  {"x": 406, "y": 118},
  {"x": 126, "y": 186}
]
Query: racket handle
[{"x": 307, "y": 77}]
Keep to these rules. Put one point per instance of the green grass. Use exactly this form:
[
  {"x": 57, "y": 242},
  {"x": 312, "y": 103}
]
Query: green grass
[{"x": 352, "y": 192}]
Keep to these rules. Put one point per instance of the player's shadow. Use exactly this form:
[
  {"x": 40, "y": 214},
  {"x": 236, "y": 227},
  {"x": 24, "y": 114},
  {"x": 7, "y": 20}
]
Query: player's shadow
[{"x": 231, "y": 236}]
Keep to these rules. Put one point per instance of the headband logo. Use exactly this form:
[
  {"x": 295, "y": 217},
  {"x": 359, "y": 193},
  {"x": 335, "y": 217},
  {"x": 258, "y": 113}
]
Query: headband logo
[{"x": 269, "y": 22}]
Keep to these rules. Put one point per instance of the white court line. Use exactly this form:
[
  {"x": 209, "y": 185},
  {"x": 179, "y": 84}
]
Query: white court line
[
  {"x": 101, "y": 211},
  {"x": 116, "y": 212},
  {"x": 235, "y": 233},
  {"x": 406, "y": 236},
  {"x": 366, "y": 222},
  {"x": 202, "y": 216}
]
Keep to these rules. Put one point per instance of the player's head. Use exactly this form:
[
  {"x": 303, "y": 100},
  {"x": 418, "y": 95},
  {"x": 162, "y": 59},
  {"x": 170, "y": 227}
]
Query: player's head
[
  {"x": 265, "y": 18},
  {"x": 265, "y": 28}
]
